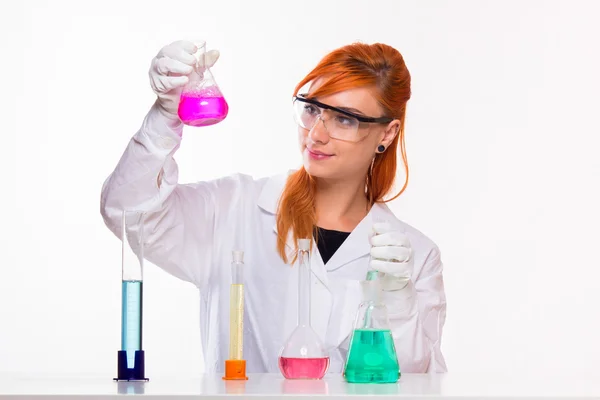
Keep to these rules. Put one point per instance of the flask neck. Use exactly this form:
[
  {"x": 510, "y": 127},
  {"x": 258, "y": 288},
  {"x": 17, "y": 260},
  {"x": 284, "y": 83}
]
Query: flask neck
[
  {"x": 372, "y": 291},
  {"x": 201, "y": 73},
  {"x": 304, "y": 288}
]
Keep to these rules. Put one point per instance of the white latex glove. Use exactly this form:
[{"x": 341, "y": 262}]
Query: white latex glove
[
  {"x": 391, "y": 254},
  {"x": 169, "y": 72}
]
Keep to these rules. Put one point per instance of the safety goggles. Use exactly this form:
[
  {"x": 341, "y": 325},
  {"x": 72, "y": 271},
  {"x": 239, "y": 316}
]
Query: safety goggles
[{"x": 339, "y": 123}]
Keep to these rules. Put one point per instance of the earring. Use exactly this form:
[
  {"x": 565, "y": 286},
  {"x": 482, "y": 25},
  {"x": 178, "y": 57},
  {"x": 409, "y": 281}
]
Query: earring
[{"x": 381, "y": 148}]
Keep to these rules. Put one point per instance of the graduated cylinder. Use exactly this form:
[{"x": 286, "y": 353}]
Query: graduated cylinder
[
  {"x": 235, "y": 366},
  {"x": 131, "y": 355}
]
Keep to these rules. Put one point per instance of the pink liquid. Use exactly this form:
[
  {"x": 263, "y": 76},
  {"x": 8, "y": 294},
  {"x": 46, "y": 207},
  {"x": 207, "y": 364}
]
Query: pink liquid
[
  {"x": 202, "y": 108},
  {"x": 303, "y": 368}
]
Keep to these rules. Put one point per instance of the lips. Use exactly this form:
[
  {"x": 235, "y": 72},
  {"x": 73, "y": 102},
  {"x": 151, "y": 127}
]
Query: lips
[{"x": 318, "y": 153}]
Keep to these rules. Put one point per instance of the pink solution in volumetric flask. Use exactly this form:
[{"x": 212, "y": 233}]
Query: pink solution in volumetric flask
[
  {"x": 303, "y": 368},
  {"x": 203, "y": 108}
]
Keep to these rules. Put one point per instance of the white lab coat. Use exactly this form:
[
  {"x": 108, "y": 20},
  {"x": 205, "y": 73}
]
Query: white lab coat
[{"x": 191, "y": 229}]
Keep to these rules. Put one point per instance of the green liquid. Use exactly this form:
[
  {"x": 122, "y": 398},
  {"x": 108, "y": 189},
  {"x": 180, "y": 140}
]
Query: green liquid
[{"x": 372, "y": 357}]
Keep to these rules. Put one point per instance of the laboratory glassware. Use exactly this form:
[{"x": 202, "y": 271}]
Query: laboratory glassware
[
  {"x": 130, "y": 359},
  {"x": 201, "y": 102},
  {"x": 303, "y": 356},
  {"x": 235, "y": 365},
  {"x": 372, "y": 274},
  {"x": 372, "y": 354}
]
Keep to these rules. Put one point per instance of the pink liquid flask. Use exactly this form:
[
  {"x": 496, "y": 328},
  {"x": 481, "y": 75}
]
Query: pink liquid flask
[
  {"x": 201, "y": 102},
  {"x": 303, "y": 368},
  {"x": 203, "y": 108},
  {"x": 303, "y": 356}
]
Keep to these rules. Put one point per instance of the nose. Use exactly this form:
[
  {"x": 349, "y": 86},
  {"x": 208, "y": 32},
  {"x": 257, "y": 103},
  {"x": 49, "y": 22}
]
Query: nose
[{"x": 318, "y": 133}]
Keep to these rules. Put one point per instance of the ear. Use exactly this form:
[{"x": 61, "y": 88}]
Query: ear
[{"x": 392, "y": 129}]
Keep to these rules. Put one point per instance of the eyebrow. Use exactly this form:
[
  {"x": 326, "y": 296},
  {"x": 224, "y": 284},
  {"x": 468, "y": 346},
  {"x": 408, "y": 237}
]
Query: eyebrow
[
  {"x": 348, "y": 109},
  {"x": 352, "y": 110}
]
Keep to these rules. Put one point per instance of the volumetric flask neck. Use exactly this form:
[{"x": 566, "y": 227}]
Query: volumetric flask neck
[
  {"x": 201, "y": 102},
  {"x": 303, "y": 356}
]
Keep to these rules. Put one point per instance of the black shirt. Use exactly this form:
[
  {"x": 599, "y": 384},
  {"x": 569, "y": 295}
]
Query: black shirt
[{"x": 328, "y": 241}]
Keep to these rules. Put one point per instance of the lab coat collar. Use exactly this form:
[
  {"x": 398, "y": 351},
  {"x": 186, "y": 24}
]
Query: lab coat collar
[
  {"x": 269, "y": 196},
  {"x": 355, "y": 246}
]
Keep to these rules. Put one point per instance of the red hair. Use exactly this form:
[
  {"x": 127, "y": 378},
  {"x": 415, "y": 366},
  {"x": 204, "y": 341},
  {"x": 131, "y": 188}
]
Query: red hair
[{"x": 355, "y": 65}]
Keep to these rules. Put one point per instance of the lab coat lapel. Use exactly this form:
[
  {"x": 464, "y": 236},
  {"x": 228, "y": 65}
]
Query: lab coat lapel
[{"x": 355, "y": 246}]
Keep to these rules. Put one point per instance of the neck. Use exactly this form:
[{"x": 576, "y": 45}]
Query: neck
[{"x": 340, "y": 205}]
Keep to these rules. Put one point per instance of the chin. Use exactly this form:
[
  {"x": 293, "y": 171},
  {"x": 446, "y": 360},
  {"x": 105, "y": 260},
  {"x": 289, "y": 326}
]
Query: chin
[
  {"x": 315, "y": 172},
  {"x": 318, "y": 171}
]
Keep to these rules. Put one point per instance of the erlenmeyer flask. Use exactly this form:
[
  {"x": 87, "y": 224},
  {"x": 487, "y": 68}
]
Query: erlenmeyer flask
[
  {"x": 202, "y": 102},
  {"x": 303, "y": 356},
  {"x": 372, "y": 354}
]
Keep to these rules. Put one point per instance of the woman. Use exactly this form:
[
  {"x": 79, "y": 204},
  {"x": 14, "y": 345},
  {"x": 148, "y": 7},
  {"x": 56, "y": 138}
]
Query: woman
[{"x": 351, "y": 126}]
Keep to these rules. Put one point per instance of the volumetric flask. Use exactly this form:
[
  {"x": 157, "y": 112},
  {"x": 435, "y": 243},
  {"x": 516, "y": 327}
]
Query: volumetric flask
[
  {"x": 303, "y": 356},
  {"x": 201, "y": 102},
  {"x": 372, "y": 354}
]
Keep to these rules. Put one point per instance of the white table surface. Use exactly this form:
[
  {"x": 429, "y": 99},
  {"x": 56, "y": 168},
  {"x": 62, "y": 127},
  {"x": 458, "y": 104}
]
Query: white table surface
[{"x": 450, "y": 385}]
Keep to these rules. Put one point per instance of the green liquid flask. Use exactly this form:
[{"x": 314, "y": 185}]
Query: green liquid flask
[{"x": 372, "y": 354}]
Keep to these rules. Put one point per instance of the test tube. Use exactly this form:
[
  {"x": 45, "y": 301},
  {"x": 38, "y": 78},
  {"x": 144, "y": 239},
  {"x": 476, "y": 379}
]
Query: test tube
[
  {"x": 235, "y": 366},
  {"x": 131, "y": 356}
]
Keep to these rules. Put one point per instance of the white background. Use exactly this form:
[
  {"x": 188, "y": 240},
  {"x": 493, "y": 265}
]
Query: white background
[{"x": 502, "y": 138}]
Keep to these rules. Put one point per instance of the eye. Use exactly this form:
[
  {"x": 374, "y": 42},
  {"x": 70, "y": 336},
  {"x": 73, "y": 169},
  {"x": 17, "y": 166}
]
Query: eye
[
  {"x": 346, "y": 121},
  {"x": 311, "y": 109}
]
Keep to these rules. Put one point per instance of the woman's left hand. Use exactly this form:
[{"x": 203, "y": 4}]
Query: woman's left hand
[{"x": 391, "y": 254}]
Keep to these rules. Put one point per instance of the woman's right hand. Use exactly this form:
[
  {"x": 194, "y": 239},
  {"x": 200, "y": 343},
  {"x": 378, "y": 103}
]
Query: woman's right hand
[{"x": 169, "y": 72}]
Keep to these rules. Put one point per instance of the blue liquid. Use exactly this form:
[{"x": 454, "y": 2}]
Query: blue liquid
[{"x": 131, "y": 319}]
